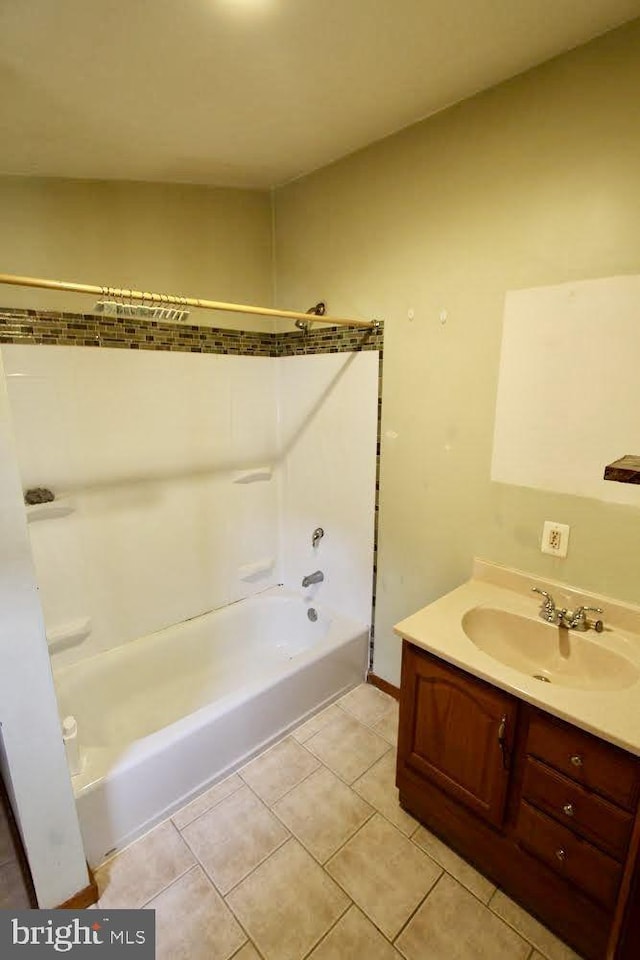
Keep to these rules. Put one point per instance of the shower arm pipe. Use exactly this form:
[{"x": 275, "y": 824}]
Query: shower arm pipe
[{"x": 164, "y": 299}]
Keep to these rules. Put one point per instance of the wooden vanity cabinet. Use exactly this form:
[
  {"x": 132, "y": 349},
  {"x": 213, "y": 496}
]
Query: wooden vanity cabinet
[
  {"x": 543, "y": 809},
  {"x": 457, "y": 733}
]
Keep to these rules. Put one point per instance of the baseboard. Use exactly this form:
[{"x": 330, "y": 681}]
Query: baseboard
[
  {"x": 384, "y": 685},
  {"x": 83, "y": 898}
]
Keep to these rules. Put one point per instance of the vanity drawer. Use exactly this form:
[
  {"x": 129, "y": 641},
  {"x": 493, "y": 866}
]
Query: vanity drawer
[
  {"x": 586, "y": 813},
  {"x": 591, "y": 762},
  {"x": 580, "y": 863}
]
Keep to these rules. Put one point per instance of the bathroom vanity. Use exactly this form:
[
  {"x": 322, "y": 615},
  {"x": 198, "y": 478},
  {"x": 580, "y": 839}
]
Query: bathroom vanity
[{"x": 536, "y": 783}]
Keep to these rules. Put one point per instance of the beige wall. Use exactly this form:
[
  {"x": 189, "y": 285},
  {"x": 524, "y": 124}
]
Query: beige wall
[
  {"x": 534, "y": 182},
  {"x": 186, "y": 240}
]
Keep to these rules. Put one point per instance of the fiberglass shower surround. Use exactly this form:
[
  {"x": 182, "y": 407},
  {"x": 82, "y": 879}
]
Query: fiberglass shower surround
[{"x": 185, "y": 483}]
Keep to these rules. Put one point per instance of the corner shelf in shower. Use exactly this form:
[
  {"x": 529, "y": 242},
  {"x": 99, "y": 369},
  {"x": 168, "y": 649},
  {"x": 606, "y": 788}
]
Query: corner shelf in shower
[
  {"x": 51, "y": 510},
  {"x": 69, "y": 634},
  {"x": 256, "y": 475},
  {"x": 254, "y": 571}
]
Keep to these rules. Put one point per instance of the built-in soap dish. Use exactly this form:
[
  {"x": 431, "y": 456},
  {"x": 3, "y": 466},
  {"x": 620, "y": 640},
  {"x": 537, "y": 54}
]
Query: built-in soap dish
[
  {"x": 68, "y": 635},
  {"x": 61, "y": 507},
  {"x": 255, "y": 571},
  {"x": 256, "y": 475}
]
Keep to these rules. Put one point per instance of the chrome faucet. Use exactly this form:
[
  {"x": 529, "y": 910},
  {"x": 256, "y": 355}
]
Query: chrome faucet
[
  {"x": 578, "y": 619},
  {"x": 548, "y": 609},
  {"x": 565, "y": 618},
  {"x": 316, "y": 577}
]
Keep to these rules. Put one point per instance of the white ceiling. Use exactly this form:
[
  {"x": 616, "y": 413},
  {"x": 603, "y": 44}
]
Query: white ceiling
[{"x": 253, "y": 92}]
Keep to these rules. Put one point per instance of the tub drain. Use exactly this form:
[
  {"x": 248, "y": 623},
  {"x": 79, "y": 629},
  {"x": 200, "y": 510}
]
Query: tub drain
[
  {"x": 540, "y": 676},
  {"x": 312, "y": 614}
]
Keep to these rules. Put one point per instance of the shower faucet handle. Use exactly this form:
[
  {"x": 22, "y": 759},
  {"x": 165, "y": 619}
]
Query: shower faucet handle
[{"x": 316, "y": 536}]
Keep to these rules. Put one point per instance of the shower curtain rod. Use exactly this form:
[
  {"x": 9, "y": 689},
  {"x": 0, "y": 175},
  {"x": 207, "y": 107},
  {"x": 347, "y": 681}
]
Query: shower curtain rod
[{"x": 164, "y": 299}]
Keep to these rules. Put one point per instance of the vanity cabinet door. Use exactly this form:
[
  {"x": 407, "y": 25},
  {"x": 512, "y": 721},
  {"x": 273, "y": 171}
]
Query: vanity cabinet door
[{"x": 457, "y": 732}]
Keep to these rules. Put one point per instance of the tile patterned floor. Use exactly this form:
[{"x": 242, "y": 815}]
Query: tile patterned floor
[{"x": 306, "y": 853}]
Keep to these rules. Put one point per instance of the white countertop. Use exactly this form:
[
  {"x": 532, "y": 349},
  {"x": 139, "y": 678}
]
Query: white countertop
[{"x": 613, "y": 715}]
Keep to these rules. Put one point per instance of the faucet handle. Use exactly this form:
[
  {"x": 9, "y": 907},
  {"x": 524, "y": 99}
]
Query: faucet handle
[
  {"x": 579, "y": 619},
  {"x": 548, "y": 599},
  {"x": 581, "y": 611},
  {"x": 548, "y": 610}
]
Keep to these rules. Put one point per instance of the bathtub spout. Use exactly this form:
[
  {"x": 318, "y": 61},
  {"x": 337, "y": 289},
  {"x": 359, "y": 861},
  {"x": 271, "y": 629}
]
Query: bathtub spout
[{"x": 316, "y": 577}]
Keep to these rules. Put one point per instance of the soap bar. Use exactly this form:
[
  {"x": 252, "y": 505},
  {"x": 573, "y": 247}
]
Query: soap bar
[{"x": 39, "y": 495}]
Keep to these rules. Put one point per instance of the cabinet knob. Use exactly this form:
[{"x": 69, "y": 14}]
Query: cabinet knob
[
  {"x": 561, "y": 854},
  {"x": 577, "y": 760},
  {"x": 568, "y": 809}
]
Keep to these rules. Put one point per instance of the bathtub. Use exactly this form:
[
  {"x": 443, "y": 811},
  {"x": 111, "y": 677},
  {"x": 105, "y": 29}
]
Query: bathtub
[{"x": 163, "y": 717}]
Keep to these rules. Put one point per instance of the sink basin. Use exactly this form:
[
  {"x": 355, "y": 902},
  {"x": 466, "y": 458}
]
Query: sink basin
[{"x": 542, "y": 650}]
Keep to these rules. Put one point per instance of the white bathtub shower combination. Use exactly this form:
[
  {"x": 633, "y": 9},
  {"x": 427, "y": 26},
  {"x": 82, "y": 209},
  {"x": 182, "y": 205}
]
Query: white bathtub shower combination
[
  {"x": 183, "y": 484},
  {"x": 164, "y": 716}
]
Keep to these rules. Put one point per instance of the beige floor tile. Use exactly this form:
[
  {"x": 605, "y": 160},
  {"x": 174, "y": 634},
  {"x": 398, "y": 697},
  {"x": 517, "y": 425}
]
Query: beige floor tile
[
  {"x": 316, "y": 723},
  {"x": 323, "y": 813},
  {"x": 193, "y": 922},
  {"x": 234, "y": 837},
  {"x": 248, "y": 952},
  {"x": 387, "y": 725},
  {"x": 467, "y": 875},
  {"x": 13, "y": 892},
  {"x": 275, "y": 772},
  {"x": 347, "y": 746},
  {"x": 366, "y": 703},
  {"x": 354, "y": 938},
  {"x": 145, "y": 868},
  {"x": 452, "y": 924},
  {"x": 378, "y": 787},
  {"x": 206, "y": 800},
  {"x": 537, "y": 935},
  {"x": 288, "y": 903},
  {"x": 384, "y": 873}
]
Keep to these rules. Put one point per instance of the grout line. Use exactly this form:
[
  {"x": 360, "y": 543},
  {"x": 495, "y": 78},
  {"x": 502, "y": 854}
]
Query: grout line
[
  {"x": 208, "y": 810},
  {"x": 269, "y": 809},
  {"x": 271, "y": 804},
  {"x": 254, "y": 868},
  {"x": 381, "y": 693},
  {"x": 287, "y": 736},
  {"x": 523, "y": 936},
  {"x": 348, "y": 840},
  {"x": 322, "y": 863},
  {"x": 223, "y": 896},
  {"x": 360, "y": 775},
  {"x": 485, "y": 903},
  {"x": 194, "y": 866},
  {"x": 426, "y": 897},
  {"x": 299, "y": 783},
  {"x": 332, "y": 927},
  {"x": 118, "y": 853},
  {"x": 279, "y": 847}
]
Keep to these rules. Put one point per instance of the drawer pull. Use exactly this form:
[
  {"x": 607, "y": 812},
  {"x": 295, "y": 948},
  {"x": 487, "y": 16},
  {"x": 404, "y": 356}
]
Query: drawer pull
[
  {"x": 568, "y": 809},
  {"x": 577, "y": 760},
  {"x": 561, "y": 854}
]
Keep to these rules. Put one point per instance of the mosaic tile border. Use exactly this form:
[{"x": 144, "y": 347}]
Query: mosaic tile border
[{"x": 88, "y": 330}]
